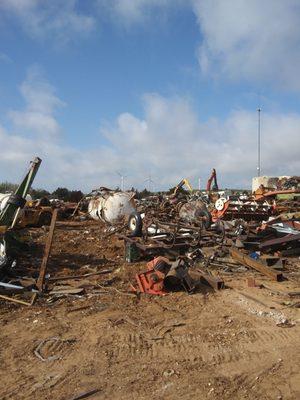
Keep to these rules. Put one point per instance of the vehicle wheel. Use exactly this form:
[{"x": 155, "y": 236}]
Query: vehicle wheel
[
  {"x": 205, "y": 215},
  {"x": 45, "y": 219},
  {"x": 135, "y": 224}
]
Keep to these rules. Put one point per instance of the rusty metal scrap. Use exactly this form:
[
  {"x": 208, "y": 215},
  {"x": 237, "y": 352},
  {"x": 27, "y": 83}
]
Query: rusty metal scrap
[
  {"x": 214, "y": 282},
  {"x": 287, "y": 240},
  {"x": 164, "y": 276},
  {"x": 201, "y": 235}
]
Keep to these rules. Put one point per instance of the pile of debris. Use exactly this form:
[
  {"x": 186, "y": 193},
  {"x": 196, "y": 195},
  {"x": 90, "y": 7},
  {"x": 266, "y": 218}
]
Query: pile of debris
[{"x": 186, "y": 237}]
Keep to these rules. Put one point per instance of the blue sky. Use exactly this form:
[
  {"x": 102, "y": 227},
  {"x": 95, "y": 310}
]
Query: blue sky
[{"x": 162, "y": 87}]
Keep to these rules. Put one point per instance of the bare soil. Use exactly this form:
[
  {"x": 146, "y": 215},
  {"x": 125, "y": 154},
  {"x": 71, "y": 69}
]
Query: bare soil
[{"x": 238, "y": 343}]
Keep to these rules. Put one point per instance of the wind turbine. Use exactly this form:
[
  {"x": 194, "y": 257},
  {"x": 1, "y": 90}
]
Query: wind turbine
[
  {"x": 199, "y": 184},
  {"x": 122, "y": 178},
  {"x": 150, "y": 182}
]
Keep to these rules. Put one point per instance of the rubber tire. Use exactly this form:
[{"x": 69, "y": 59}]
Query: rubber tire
[
  {"x": 137, "y": 231},
  {"x": 207, "y": 220}
]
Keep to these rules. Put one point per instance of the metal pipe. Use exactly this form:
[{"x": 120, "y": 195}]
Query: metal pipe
[{"x": 258, "y": 143}]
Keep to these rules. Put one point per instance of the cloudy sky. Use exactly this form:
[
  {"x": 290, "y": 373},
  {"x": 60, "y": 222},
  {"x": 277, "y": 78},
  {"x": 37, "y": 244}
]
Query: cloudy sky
[{"x": 160, "y": 88}]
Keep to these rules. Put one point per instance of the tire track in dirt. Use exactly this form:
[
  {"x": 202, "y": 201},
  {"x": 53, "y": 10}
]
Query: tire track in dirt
[
  {"x": 138, "y": 343},
  {"x": 184, "y": 347},
  {"x": 278, "y": 335},
  {"x": 27, "y": 385},
  {"x": 12, "y": 391}
]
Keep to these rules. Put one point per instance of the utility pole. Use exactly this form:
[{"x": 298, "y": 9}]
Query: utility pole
[{"x": 258, "y": 143}]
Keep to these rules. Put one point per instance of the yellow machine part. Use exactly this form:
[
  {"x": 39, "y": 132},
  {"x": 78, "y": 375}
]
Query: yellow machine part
[{"x": 183, "y": 182}]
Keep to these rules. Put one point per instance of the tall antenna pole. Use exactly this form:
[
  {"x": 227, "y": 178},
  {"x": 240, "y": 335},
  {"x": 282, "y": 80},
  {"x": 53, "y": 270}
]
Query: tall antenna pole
[
  {"x": 258, "y": 143},
  {"x": 199, "y": 184}
]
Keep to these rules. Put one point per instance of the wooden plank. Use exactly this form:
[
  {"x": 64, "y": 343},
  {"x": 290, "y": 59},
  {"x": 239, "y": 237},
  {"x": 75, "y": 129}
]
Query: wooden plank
[
  {"x": 43, "y": 269},
  {"x": 250, "y": 262}
]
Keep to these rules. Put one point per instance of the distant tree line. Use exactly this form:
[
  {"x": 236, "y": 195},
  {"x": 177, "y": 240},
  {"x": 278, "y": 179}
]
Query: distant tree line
[
  {"x": 65, "y": 194},
  {"x": 7, "y": 187},
  {"x": 141, "y": 194},
  {"x": 60, "y": 193}
]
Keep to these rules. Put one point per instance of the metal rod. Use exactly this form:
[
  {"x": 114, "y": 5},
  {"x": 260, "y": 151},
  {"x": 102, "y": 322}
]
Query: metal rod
[{"x": 258, "y": 144}]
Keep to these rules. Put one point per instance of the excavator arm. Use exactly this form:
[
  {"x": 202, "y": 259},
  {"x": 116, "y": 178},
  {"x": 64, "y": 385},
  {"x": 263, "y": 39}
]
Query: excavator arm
[
  {"x": 183, "y": 182},
  {"x": 212, "y": 178}
]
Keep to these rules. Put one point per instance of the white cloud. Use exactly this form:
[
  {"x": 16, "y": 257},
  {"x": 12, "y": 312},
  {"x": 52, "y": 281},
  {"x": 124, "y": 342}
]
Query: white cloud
[
  {"x": 49, "y": 18},
  {"x": 129, "y": 12},
  {"x": 251, "y": 40},
  {"x": 170, "y": 142},
  {"x": 36, "y": 132},
  {"x": 241, "y": 40},
  {"x": 41, "y": 104}
]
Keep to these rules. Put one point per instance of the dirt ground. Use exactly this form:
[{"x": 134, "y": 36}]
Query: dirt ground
[{"x": 237, "y": 343}]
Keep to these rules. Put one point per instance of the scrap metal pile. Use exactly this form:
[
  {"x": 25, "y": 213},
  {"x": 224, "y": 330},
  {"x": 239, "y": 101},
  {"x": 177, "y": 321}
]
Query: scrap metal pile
[
  {"x": 215, "y": 229},
  {"x": 187, "y": 237}
]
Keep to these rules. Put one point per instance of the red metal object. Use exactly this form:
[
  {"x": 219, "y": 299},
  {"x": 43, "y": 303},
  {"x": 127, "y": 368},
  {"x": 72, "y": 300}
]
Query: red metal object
[
  {"x": 218, "y": 214},
  {"x": 213, "y": 177},
  {"x": 151, "y": 282},
  {"x": 246, "y": 209},
  {"x": 161, "y": 264}
]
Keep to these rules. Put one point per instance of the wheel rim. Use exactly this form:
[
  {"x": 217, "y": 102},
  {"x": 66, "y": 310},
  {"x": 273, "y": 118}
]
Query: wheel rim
[{"x": 132, "y": 224}]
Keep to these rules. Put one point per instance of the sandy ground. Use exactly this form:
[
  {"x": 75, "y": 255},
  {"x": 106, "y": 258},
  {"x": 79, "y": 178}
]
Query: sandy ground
[{"x": 238, "y": 343}]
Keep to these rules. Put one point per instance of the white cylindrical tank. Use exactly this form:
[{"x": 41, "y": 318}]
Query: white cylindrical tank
[
  {"x": 3, "y": 200},
  {"x": 111, "y": 207}
]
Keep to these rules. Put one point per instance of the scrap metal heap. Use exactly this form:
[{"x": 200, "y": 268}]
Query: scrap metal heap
[
  {"x": 187, "y": 237},
  {"x": 214, "y": 230}
]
